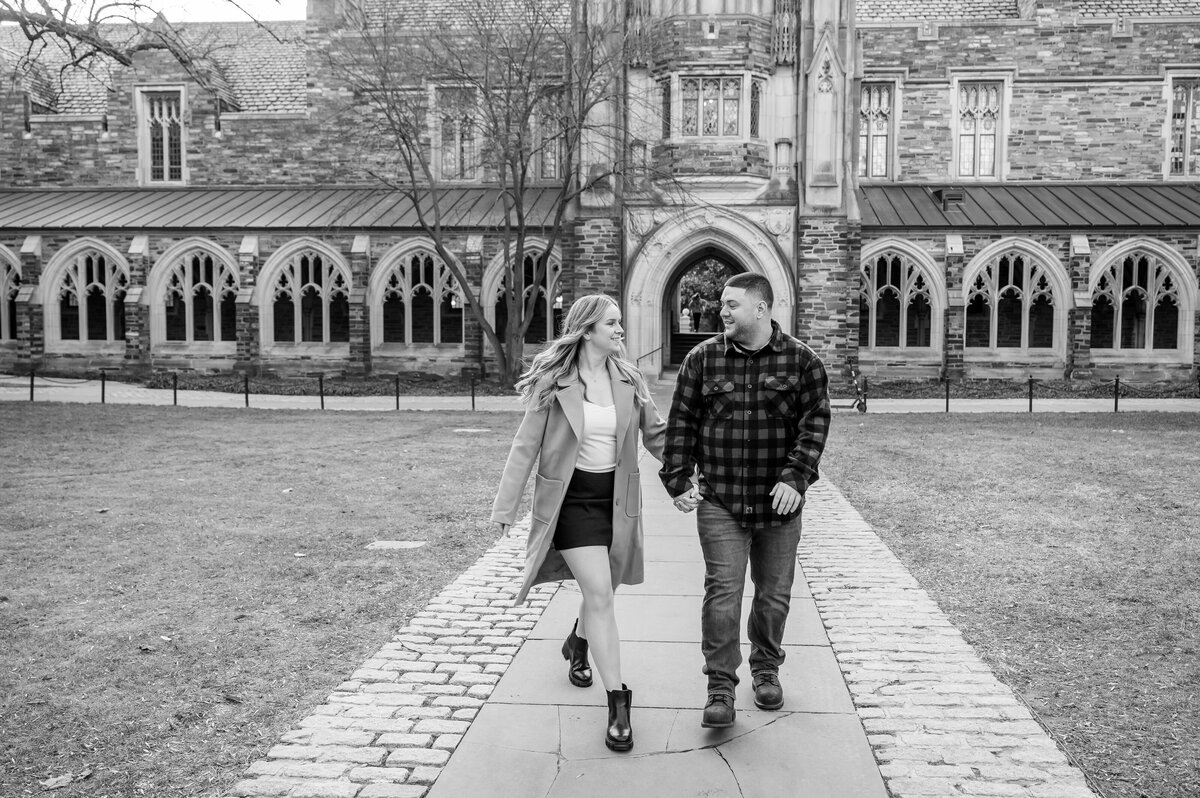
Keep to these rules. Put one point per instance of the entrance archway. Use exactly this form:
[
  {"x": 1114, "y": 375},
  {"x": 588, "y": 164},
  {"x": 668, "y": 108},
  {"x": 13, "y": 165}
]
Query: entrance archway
[
  {"x": 680, "y": 241},
  {"x": 693, "y": 301}
]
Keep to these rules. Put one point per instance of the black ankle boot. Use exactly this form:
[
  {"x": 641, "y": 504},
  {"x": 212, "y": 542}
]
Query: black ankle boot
[
  {"x": 619, "y": 736},
  {"x": 575, "y": 652}
]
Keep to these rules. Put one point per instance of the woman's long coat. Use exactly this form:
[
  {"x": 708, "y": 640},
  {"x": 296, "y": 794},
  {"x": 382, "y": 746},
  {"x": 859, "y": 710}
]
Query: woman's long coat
[{"x": 552, "y": 437}]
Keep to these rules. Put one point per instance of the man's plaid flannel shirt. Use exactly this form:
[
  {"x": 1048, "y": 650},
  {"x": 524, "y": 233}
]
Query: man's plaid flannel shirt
[{"x": 748, "y": 421}]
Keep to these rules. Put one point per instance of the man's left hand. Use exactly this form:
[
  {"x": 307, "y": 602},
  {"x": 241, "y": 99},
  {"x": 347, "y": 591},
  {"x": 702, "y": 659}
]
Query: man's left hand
[{"x": 786, "y": 499}]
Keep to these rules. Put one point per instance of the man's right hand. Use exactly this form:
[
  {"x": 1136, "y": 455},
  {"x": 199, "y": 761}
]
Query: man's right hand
[{"x": 686, "y": 502}]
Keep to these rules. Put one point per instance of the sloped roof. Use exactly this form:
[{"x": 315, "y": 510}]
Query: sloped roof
[
  {"x": 252, "y": 68},
  {"x": 465, "y": 15},
  {"x": 891, "y": 10},
  {"x": 249, "y": 209},
  {"x": 878, "y": 10},
  {"x": 1034, "y": 205}
]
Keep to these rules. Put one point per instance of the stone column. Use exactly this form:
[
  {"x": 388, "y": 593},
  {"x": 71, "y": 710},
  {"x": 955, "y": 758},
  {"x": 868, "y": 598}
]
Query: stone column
[
  {"x": 1079, "y": 318},
  {"x": 360, "y": 312},
  {"x": 955, "y": 329},
  {"x": 249, "y": 346},
  {"x": 137, "y": 308},
  {"x": 31, "y": 332},
  {"x": 827, "y": 282}
]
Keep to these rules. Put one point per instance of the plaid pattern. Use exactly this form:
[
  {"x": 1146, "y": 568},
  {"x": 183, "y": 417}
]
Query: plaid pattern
[{"x": 748, "y": 422}]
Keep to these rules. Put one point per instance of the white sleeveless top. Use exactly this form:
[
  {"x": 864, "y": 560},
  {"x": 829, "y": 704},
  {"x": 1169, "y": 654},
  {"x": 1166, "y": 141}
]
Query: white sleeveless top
[{"x": 598, "y": 449}]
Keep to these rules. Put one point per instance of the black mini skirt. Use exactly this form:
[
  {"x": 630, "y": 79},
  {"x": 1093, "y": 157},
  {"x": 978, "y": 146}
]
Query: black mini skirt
[{"x": 586, "y": 515}]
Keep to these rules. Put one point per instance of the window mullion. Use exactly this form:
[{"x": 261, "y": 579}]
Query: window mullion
[{"x": 189, "y": 308}]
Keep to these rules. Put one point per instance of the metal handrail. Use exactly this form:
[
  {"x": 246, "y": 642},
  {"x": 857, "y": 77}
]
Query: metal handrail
[{"x": 648, "y": 354}]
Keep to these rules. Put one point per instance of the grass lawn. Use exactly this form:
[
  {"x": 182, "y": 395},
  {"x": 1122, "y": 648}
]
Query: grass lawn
[
  {"x": 179, "y": 586},
  {"x": 1066, "y": 548}
]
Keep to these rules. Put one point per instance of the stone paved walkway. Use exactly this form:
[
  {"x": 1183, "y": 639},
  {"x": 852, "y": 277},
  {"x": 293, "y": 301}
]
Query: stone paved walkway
[{"x": 471, "y": 698}]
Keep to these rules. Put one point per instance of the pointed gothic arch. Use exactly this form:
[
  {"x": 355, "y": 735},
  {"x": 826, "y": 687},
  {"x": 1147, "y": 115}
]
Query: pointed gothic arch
[
  {"x": 675, "y": 241},
  {"x": 191, "y": 289},
  {"x": 88, "y": 278}
]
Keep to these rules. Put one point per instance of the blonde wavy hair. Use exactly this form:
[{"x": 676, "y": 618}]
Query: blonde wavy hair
[{"x": 559, "y": 359}]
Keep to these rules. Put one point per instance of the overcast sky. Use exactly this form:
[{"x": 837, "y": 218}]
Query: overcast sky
[{"x": 226, "y": 11}]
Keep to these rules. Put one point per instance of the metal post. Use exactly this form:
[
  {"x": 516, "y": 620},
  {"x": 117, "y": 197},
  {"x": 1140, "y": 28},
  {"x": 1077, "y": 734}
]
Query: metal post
[
  {"x": 947, "y": 394},
  {"x": 1117, "y": 395},
  {"x": 246, "y": 388},
  {"x": 472, "y": 393},
  {"x": 175, "y": 389},
  {"x": 103, "y": 380},
  {"x": 31, "y": 385},
  {"x": 862, "y": 408},
  {"x": 1031, "y": 394},
  {"x": 397, "y": 391},
  {"x": 321, "y": 388}
]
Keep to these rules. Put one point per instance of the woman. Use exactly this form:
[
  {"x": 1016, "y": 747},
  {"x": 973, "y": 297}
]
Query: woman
[{"x": 584, "y": 406}]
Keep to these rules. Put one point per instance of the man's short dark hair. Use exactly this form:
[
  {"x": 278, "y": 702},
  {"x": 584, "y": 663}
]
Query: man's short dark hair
[{"x": 754, "y": 284}]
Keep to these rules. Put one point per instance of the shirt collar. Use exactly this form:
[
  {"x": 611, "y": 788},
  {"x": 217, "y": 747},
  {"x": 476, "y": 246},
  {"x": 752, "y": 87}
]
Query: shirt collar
[{"x": 774, "y": 343}]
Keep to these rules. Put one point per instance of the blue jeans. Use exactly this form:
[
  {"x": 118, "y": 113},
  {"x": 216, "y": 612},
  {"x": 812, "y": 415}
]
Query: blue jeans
[{"x": 728, "y": 545}]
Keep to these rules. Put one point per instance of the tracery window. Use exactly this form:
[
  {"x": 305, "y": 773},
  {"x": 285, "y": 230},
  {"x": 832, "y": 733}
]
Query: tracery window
[
  {"x": 548, "y": 309},
  {"x": 711, "y": 106},
  {"x": 10, "y": 283},
  {"x": 456, "y": 114},
  {"x": 665, "y": 97},
  {"x": 1185, "y": 127},
  {"x": 978, "y": 128},
  {"x": 1011, "y": 305},
  {"x": 894, "y": 303},
  {"x": 91, "y": 297},
  {"x": 1135, "y": 305},
  {"x": 875, "y": 130},
  {"x": 162, "y": 136},
  {"x": 200, "y": 299},
  {"x": 311, "y": 302},
  {"x": 422, "y": 302},
  {"x": 756, "y": 94}
]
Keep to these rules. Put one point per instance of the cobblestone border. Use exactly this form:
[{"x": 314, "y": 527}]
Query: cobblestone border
[
  {"x": 938, "y": 720},
  {"x": 388, "y": 731}
]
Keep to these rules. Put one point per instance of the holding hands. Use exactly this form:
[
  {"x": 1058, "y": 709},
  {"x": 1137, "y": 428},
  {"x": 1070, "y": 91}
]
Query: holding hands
[{"x": 686, "y": 502}]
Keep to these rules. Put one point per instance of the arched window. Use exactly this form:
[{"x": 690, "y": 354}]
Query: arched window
[
  {"x": 894, "y": 303},
  {"x": 548, "y": 309},
  {"x": 1135, "y": 305},
  {"x": 200, "y": 299},
  {"x": 10, "y": 283},
  {"x": 91, "y": 297},
  {"x": 422, "y": 303},
  {"x": 310, "y": 301},
  {"x": 1011, "y": 305}
]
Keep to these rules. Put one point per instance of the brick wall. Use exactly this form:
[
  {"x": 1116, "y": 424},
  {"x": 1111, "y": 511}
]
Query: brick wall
[
  {"x": 827, "y": 298},
  {"x": 1085, "y": 104}
]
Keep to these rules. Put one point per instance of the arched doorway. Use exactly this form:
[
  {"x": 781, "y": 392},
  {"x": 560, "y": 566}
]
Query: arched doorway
[
  {"x": 674, "y": 242},
  {"x": 693, "y": 301}
]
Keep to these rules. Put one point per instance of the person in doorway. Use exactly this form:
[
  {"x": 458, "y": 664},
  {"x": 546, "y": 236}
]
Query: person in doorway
[
  {"x": 585, "y": 404},
  {"x": 748, "y": 419}
]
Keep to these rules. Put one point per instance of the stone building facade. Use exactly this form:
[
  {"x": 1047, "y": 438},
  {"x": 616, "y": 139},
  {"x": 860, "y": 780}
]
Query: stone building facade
[{"x": 996, "y": 188}]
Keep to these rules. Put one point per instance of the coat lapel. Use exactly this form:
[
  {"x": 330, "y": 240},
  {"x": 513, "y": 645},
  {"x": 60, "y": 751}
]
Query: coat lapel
[
  {"x": 570, "y": 396},
  {"x": 623, "y": 399}
]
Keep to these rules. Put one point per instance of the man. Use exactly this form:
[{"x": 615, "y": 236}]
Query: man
[{"x": 750, "y": 414}]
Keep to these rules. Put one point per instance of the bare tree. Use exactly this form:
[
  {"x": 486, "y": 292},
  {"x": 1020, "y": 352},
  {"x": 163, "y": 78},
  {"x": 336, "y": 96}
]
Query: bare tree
[
  {"x": 512, "y": 92},
  {"x": 68, "y": 35}
]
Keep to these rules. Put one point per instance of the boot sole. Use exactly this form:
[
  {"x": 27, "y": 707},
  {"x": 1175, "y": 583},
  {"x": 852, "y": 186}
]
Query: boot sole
[
  {"x": 705, "y": 724},
  {"x": 769, "y": 707}
]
